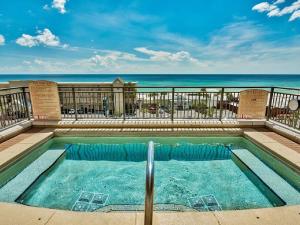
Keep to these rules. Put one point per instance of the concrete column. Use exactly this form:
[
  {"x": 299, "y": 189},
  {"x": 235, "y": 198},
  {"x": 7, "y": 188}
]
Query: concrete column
[
  {"x": 118, "y": 86},
  {"x": 45, "y": 100},
  {"x": 253, "y": 104}
]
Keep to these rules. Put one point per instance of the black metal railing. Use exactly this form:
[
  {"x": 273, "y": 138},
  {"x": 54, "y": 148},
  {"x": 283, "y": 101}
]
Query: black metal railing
[
  {"x": 216, "y": 103},
  {"x": 15, "y": 106},
  {"x": 131, "y": 102},
  {"x": 279, "y": 110},
  {"x": 148, "y": 103}
]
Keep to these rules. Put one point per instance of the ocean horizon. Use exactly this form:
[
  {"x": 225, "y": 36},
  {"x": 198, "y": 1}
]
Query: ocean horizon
[{"x": 234, "y": 80}]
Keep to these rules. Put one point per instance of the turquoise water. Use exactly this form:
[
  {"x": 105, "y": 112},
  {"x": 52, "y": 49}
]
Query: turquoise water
[
  {"x": 178, "y": 178},
  {"x": 172, "y": 80}
]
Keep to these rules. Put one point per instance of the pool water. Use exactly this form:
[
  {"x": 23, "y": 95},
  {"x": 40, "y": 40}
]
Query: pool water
[{"x": 187, "y": 171}]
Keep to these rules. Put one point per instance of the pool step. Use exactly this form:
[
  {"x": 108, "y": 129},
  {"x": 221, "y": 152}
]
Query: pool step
[
  {"x": 136, "y": 208},
  {"x": 15, "y": 187},
  {"x": 275, "y": 182}
]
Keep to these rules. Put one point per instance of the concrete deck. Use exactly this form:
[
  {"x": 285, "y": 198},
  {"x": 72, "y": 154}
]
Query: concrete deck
[
  {"x": 279, "y": 138},
  {"x": 103, "y": 132},
  {"x": 14, "y": 140},
  {"x": 151, "y": 123},
  {"x": 15, "y": 214},
  {"x": 285, "y": 149},
  {"x": 18, "y": 146}
]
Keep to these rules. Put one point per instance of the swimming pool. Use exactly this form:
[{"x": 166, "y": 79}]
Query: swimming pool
[{"x": 191, "y": 174}]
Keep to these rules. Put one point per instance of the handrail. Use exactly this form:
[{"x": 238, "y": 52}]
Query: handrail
[
  {"x": 12, "y": 88},
  {"x": 149, "y": 185},
  {"x": 177, "y": 89},
  {"x": 181, "y": 87},
  {"x": 158, "y": 87}
]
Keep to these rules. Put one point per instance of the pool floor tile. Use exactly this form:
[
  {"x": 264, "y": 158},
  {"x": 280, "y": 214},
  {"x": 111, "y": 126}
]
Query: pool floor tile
[
  {"x": 90, "y": 201},
  {"x": 80, "y": 206},
  {"x": 204, "y": 203}
]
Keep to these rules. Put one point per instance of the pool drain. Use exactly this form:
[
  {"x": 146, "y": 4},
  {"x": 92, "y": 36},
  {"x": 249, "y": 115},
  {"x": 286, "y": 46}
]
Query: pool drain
[
  {"x": 90, "y": 201},
  {"x": 205, "y": 203}
]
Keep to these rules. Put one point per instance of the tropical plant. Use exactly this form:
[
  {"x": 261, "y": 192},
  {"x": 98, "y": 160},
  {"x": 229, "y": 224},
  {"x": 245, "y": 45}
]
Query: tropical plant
[{"x": 200, "y": 107}]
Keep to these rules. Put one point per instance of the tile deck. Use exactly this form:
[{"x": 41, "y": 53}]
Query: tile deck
[
  {"x": 279, "y": 138},
  {"x": 23, "y": 144},
  {"x": 282, "y": 147},
  {"x": 6, "y": 144},
  {"x": 288, "y": 215}
]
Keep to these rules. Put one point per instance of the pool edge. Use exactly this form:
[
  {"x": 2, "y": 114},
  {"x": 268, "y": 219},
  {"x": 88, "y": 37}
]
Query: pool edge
[{"x": 32, "y": 215}]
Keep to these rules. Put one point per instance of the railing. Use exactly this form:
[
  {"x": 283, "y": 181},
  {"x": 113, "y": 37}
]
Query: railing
[
  {"x": 15, "y": 106},
  {"x": 149, "y": 185},
  {"x": 149, "y": 103},
  {"x": 172, "y": 103},
  {"x": 215, "y": 103},
  {"x": 279, "y": 110}
]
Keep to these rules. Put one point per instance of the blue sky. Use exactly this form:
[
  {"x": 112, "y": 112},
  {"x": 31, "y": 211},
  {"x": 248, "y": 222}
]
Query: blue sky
[{"x": 149, "y": 36}]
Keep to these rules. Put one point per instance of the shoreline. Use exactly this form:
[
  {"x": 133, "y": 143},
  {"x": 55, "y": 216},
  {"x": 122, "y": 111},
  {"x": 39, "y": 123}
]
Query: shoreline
[{"x": 157, "y": 80}]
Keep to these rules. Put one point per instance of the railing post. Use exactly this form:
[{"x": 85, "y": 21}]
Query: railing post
[
  {"x": 74, "y": 103},
  {"x": 221, "y": 104},
  {"x": 172, "y": 111},
  {"x": 26, "y": 103},
  {"x": 149, "y": 185},
  {"x": 124, "y": 104},
  {"x": 270, "y": 104}
]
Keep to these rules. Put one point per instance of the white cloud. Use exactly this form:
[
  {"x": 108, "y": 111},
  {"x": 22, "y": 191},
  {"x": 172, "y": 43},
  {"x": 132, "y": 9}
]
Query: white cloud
[
  {"x": 290, "y": 9},
  {"x": 295, "y": 15},
  {"x": 273, "y": 10},
  {"x": 46, "y": 7},
  {"x": 45, "y": 37},
  {"x": 239, "y": 47},
  {"x": 264, "y": 7},
  {"x": 27, "y": 40},
  {"x": 39, "y": 62},
  {"x": 2, "y": 39},
  {"x": 117, "y": 59},
  {"x": 26, "y": 62},
  {"x": 167, "y": 56},
  {"x": 279, "y": 2},
  {"x": 59, "y": 5},
  {"x": 112, "y": 58}
]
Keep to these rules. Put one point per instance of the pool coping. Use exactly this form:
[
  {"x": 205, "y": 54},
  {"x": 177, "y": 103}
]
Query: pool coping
[
  {"x": 27, "y": 215},
  {"x": 14, "y": 130},
  {"x": 284, "y": 153},
  {"x": 151, "y": 123},
  {"x": 11, "y": 154}
]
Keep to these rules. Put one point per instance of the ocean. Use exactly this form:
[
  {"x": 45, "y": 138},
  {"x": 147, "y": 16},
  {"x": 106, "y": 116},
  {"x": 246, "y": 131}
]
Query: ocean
[{"x": 171, "y": 80}]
